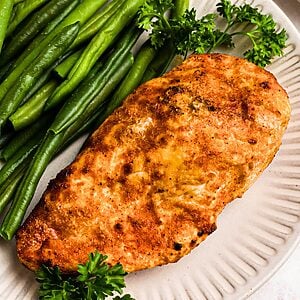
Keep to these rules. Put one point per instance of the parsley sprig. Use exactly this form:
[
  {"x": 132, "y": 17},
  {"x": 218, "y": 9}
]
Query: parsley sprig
[
  {"x": 189, "y": 34},
  {"x": 95, "y": 281},
  {"x": 266, "y": 42},
  {"x": 152, "y": 16}
]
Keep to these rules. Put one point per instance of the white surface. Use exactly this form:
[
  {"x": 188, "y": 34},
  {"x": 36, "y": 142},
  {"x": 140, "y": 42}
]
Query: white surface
[{"x": 255, "y": 234}]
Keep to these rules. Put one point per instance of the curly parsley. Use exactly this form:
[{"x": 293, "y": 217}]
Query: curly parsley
[
  {"x": 95, "y": 281},
  {"x": 189, "y": 34}
]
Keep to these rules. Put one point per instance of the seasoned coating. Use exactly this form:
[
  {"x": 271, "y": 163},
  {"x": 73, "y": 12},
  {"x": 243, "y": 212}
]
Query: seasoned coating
[{"x": 151, "y": 180}]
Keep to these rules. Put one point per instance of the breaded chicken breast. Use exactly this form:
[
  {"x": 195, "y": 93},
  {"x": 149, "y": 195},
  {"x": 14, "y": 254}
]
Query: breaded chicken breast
[{"x": 151, "y": 181}]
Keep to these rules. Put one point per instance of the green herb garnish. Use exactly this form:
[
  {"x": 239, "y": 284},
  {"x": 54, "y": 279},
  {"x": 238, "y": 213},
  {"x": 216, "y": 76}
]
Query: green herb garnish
[
  {"x": 266, "y": 42},
  {"x": 95, "y": 281},
  {"x": 189, "y": 34}
]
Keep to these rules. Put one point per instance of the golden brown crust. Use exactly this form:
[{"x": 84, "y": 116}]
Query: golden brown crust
[{"x": 150, "y": 182}]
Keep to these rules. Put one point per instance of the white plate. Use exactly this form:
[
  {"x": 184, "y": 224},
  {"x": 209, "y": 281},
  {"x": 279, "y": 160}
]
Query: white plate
[{"x": 255, "y": 234}]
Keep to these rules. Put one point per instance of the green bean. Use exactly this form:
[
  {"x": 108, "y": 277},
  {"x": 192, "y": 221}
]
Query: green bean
[
  {"x": 131, "y": 81},
  {"x": 22, "y": 137},
  {"x": 83, "y": 93},
  {"x": 93, "y": 26},
  {"x": 80, "y": 14},
  {"x": 82, "y": 96},
  {"x": 112, "y": 5},
  {"x": 33, "y": 108},
  {"x": 63, "y": 69},
  {"x": 160, "y": 63},
  {"x": 115, "y": 78},
  {"x": 30, "y": 76},
  {"x": 26, "y": 190},
  {"x": 50, "y": 27},
  {"x": 35, "y": 44},
  {"x": 36, "y": 23},
  {"x": 21, "y": 11},
  {"x": 65, "y": 18},
  {"x": 48, "y": 148},
  {"x": 6, "y": 7},
  {"x": 133, "y": 78},
  {"x": 19, "y": 157},
  {"x": 95, "y": 49},
  {"x": 8, "y": 190},
  {"x": 83, "y": 12},
  {"x": 42, "y": 80}
]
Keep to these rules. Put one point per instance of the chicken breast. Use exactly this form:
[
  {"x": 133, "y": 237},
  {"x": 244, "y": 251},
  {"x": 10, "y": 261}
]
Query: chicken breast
[{"x": 151, "y": 180}]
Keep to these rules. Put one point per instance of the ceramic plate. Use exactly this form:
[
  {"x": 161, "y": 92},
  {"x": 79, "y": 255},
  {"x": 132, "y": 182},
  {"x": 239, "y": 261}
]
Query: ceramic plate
[{"x": 255, "y": 234}]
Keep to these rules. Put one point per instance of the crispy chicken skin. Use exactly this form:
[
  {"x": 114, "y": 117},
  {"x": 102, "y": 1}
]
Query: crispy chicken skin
[{"x": 150, "y": 182}]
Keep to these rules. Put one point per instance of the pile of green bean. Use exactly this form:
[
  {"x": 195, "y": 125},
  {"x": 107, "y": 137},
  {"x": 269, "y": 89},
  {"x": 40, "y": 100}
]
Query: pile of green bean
[{"x": 65, "y": 65}]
